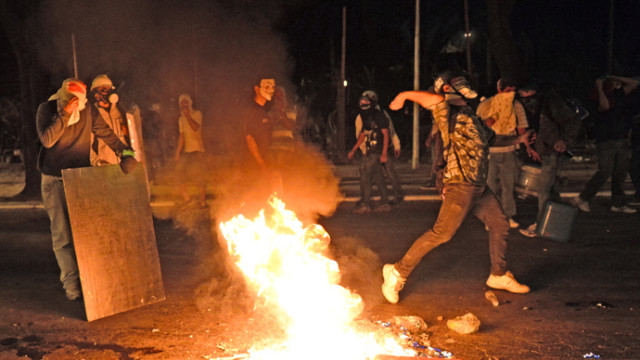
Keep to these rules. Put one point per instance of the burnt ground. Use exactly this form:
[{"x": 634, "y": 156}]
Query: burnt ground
[{"x": 585, "y": 293}]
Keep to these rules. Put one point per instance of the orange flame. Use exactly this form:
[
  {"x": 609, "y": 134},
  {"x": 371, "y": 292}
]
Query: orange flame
[{"x": 284, "y": 260}]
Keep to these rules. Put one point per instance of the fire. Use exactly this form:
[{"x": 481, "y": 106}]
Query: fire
[{"x": 286, "y": 262}]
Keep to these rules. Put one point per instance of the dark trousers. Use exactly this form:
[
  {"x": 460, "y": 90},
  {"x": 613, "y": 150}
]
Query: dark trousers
[
  {"x": 459, "y": 200},
  {"x": 613, "y": 162},
  {"x": 55, "y": 203},
  {"x": 370, "y": 169},
  {"x": 390, "y": 170}
]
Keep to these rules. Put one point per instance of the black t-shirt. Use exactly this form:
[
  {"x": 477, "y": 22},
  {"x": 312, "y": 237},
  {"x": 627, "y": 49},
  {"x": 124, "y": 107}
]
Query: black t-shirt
[
  {"x": 615, "y": 123},
  {"x": 256, "y": 123},
  {"x": 372, "y": 125}
]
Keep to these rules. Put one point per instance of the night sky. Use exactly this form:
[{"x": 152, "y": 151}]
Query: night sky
[{"x": 155, "y": 50}]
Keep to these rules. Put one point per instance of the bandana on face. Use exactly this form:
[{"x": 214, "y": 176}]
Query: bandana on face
[
  {"x": 267, "y": 88},
  {"x": 71, "y": 88},
  {"x": 462, "y": 85}
]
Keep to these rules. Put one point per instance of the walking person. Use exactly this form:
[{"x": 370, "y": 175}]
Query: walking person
[
  {"x": 612, "y": 127},
  {"x": 556, "y": 126}
]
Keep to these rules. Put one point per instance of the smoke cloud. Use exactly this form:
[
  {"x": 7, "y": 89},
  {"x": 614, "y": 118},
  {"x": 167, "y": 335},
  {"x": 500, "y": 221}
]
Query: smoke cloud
[{"x": 214, "y": 51}]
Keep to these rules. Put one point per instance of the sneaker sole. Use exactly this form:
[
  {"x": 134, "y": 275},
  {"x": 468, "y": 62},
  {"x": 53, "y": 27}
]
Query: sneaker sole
[
  {"x": 386, "y": 272},
  {"x": 511, "y": 291}
]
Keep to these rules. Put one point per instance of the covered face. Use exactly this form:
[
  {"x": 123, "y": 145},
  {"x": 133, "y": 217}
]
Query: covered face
[
  {"x": 103, "y": 91},
  {"x": 71, "y": 88},
  {"x": 461, "y": 84},
  {"x": 267, "y": 88}
]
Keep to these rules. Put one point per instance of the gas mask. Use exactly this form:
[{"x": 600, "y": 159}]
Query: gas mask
[
  {"x": 463, "y": 88},
  {"x": 106, "y": 96},
  {"x": 267, "y": 88}
]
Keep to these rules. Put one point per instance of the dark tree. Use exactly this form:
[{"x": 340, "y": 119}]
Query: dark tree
[
  {"x": 503, "y": 47},
  {"x": 19, "y": 22}
]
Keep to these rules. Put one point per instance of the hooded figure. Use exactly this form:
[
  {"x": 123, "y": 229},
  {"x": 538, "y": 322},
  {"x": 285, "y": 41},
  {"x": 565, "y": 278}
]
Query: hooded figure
[
  {"x": 64, "y": 128},
  {"x": 71, "y": 88}
]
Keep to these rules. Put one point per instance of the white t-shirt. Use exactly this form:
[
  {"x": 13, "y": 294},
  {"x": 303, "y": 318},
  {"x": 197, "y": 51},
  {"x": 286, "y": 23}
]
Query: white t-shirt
[{"x": 192, "y": 139}]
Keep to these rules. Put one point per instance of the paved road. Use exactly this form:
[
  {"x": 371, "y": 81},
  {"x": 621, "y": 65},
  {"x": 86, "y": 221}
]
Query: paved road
[{"x": 585, "y": 293}]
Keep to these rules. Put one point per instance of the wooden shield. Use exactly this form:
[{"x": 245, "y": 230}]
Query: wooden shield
[{"x": 114, "y": 239}]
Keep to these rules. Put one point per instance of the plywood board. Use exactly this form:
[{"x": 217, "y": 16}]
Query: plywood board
[{"x": 114, "y": 239}]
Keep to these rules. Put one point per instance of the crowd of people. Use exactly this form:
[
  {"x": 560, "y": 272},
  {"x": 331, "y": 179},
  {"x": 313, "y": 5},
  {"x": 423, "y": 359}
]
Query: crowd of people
[
  {"x": 484, "y": 142},
  {"x": 79, "y": 128},
  {"x": 478, "y": 147}
]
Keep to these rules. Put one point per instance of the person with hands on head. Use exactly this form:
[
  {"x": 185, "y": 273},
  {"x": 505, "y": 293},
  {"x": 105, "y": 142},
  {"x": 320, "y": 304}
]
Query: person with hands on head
[
  {"x": 190, "y": 151},
  {"x": 375, "y": 136},
  {"x": 64, "y": 128},
  {"x": 466, "y": 140},
  {"x": 611, "y": 131}
]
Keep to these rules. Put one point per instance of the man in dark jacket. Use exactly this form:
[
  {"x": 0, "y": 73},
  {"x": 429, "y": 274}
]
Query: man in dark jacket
[
  {"x": 64, "y": 127},
  {"x": 612, "y": 128},
  {"x": 557, "y": 127}
]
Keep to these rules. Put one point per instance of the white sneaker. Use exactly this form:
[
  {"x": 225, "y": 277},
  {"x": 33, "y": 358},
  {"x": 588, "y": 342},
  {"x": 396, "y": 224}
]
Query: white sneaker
[
  {"x": 624, "y": 209},
  {"x": 529, "y": 231},
  {"x": 393, "y": 283},
  {"x": 582, "y": 205},
  {"x": 507, "y": 282},
  {"x": 513, "y": 224}
]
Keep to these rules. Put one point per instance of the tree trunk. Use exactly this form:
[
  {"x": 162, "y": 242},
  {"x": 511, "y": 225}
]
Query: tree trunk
[
  {"x": 30, "y": 76},
  {"x": 503, "y": 47}
]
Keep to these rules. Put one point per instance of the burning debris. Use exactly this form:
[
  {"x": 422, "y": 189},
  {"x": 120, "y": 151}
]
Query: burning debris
[{"x": 285, "y": 263}]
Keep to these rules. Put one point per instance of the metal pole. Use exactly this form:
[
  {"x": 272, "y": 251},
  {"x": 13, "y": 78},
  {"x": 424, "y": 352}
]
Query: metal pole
[
  {"x": 467, "y": 37},
  {"x": 340, "y": 142},
  {"x": 415, "y": 155},
  {"x": 75, "y": 58},
  {"x": 610, "y": 47}
]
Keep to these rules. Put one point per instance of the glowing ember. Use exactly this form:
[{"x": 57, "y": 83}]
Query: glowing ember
[{"x": 285, "y": 261}]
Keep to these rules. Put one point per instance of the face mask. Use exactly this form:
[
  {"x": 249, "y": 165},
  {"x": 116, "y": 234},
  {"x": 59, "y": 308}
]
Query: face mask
[
  {"x": 267, "y": 88},
  {"x": 462, "y": 85},
  {"x": 365, "y": 105}
]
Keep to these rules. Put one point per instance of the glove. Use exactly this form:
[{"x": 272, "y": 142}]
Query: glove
[{"x": 128, "y": 162}]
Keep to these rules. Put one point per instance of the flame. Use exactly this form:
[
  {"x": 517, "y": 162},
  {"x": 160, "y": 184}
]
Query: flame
[{"x": 285, "y": 261}]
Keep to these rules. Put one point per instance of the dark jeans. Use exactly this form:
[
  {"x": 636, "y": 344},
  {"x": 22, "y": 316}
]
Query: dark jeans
[
  {"x": 459, "y": 200},
  {"x": 370, "y": 168},
  {"x": 613, "y": 162},
  {"x": 55, "y": 203},
  {"x": 503, "y": 170},
  {"x": 548, "y": 186},
  {"x": 634, "y": 170},
  {"x": 390, "y": 170}
]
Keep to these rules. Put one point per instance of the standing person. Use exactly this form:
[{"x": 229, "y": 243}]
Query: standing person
[
  {"x": 506, "y": 116},
  {"x": 105, "y": 103},
  {"x": 612, "y": 127},
  {"x": 257, "y": 131},
  {"x": 375, "y": 136},
  {"x": 190, "y": 166},
  {"x": 466, "y": 143},
  {"x": 388, "y": 168},
  {"x": 64, "y": 128},
  {"x": 557, "y": 127},
  {"x": 282, "y": 117}
]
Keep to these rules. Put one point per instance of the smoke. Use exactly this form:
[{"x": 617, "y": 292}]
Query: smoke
[
  {"x": 153, "y": 51},
  {"x": 214, "y": 51}
]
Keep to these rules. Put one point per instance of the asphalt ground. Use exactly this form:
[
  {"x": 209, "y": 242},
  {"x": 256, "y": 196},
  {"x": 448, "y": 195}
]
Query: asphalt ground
[{"x": 584, "y": 300}]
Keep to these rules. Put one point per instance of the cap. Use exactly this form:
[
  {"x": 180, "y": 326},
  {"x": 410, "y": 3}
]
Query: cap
[{"x": 102, "y": 81}]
